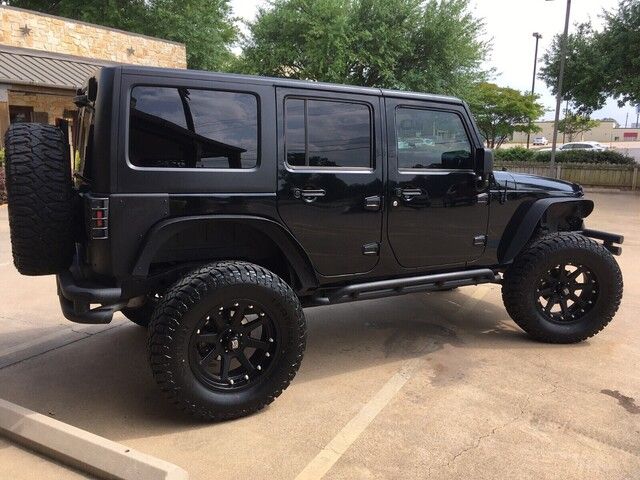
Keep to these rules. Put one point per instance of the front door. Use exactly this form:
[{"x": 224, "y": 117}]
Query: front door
[
  {"x": 438, "y": 209},
  {"x": 330, "y": 177}
]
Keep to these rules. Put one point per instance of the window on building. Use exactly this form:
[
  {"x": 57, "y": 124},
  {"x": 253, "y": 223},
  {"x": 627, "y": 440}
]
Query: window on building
[
  {"x": 331, "y": 134},
  {"x": 431, "y": 139},
  {"x": 193, "y": 128},
  {"x": 20, "y": 114}
]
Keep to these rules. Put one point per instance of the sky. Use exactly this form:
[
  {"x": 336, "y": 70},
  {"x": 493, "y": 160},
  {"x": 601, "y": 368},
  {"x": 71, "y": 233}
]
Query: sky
[{"x": 510, "y": 24}]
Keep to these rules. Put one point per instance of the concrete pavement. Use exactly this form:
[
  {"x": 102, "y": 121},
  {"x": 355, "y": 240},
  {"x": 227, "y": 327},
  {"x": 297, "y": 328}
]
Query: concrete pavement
[{"x": 439, "y": 385}]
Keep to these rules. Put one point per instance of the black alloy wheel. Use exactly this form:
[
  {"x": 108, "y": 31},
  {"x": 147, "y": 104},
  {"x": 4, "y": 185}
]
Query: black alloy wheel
[
  {"x": 235, "y": 344},
  {"x": 566, "y": 293},
  {"x": 563, "y": 288},
  {"x": 226, "y": 340}
]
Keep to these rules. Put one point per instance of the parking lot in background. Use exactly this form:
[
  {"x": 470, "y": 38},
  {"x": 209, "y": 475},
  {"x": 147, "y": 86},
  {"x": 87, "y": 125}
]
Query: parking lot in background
[{"x": 430, "y": 385}]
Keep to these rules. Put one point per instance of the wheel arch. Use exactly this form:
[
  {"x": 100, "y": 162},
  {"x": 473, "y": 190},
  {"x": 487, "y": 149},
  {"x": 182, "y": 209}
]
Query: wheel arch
[
  {"x": 271, "y": 233},
  {"x": 553, "y": 212}
]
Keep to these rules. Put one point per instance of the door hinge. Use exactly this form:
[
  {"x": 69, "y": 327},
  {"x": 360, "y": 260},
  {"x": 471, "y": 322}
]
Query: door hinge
[
  {"x": 480, "y": 240},
  {"x": 370, "y": 248}
]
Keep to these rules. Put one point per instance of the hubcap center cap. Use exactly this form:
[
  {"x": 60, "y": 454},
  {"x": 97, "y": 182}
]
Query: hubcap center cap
[{"x": 233, "y": 343}]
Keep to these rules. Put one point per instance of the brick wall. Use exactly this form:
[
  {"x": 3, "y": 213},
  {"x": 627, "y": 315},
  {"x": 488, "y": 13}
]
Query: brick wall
[{"x": 61, "y": 35}]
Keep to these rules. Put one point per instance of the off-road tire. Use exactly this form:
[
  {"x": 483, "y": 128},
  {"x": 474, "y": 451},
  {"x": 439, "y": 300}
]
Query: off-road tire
[
  {"x": 176, "y": 319},
  {"x": 41, "y": 198},
  {"x": 519, "y": 286}
]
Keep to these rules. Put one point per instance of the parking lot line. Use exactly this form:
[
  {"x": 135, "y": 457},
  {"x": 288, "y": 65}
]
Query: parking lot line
[{"x": 331, "y": 453}]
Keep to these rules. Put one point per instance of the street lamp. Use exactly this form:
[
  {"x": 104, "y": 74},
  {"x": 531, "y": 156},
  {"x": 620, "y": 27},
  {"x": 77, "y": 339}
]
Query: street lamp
[
  {"x": 538, "y": 36},
  {"x": 563, "y": 56}
]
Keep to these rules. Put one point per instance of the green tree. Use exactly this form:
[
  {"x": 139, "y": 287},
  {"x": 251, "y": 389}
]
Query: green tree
[
  {"x": 574, "y": 124},
  {"x": 599, "y": 64},
  {"x": 206, "y": 27},
  {"x": 433, "y": 46},
  {"x": 501, "y": 111}
]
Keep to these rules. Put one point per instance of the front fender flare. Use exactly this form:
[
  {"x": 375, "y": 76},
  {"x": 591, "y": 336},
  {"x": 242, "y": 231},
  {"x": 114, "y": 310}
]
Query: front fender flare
[
  {"x": 526, "y": 218},
  {"x": 164, "y": 230}
]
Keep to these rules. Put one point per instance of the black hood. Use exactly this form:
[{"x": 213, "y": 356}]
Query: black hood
[{"x": 527, "y": 182}]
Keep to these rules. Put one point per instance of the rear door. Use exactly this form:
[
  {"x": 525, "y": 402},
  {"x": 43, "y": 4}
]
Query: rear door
[{"x": 330, "y": 177}]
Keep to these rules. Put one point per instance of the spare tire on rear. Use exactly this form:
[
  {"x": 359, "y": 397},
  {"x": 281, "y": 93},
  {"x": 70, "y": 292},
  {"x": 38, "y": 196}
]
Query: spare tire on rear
[{"x": 41, "y": 198}]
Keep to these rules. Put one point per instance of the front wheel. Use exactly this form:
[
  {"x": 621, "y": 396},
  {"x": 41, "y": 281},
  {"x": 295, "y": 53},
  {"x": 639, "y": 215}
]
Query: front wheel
[
  {"x": 564, "y": 288},
  {"x": 226, "y": 340}
]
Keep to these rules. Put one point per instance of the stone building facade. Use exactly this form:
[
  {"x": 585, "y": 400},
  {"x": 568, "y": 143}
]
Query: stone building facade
[
  {"x": 44, "y": 58},
  {"x": 27, "y": 29}
]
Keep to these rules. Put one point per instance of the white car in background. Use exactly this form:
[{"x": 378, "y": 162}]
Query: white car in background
[
  {"x": 540, "y": 141},
  {"x": 593, "y": 146}
]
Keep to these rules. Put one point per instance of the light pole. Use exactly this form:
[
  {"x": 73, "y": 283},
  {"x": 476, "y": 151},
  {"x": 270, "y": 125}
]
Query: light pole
[
  {"x": 563, "y": 56},
  {"x": 533, "y": 82}
]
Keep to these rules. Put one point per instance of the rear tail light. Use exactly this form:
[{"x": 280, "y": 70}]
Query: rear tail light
[{"x": 99, "y": 220}]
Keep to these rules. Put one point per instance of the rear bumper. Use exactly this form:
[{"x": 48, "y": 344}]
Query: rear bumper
[{"x": 77, "y": 297}]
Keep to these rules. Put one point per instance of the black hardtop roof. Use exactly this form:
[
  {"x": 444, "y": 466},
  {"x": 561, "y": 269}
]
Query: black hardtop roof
[{"x": 280, "y": 82}]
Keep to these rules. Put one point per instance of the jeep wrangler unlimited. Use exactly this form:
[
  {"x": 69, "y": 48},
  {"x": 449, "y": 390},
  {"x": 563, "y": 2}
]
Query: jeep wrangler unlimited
[{"x": 213, "y": 208}]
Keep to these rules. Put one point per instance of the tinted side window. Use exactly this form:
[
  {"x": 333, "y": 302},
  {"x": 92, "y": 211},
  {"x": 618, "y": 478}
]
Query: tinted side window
[
  {"x": 320, "y": 133},
  {"x": 192, "y": 128},
  {"x": 431, "y": 139}
]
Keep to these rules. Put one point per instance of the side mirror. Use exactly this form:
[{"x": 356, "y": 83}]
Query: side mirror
[{"x": 484, "y": 162}]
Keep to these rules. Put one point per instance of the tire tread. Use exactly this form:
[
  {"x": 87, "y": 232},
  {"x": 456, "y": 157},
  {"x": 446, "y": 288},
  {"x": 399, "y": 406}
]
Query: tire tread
[{"x": 186, "y": 293}]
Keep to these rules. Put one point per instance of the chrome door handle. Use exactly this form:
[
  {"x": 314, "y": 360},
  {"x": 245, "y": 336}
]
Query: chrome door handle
[
  {"x": 308, "y": 195},
  {"x": 482, "y": 198},
  {"x": 408, "y": 193}
]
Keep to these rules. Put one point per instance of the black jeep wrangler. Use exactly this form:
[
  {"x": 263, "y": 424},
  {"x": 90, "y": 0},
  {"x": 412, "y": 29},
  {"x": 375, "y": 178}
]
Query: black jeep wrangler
[{"x": 213, "y": 208}]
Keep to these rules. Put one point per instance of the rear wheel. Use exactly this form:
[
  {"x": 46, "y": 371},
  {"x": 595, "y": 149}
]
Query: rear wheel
[
  {"x": 41, "y": 198},
  {"x": 564, "y": 288},
  {"x": 226, "y": 340}
]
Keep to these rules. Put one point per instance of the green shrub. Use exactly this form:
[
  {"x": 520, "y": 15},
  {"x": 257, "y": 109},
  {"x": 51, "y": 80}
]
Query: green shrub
[
  {"x": 1, "y": 157},
  {"x": 585, "y": 156},
  {"x": 521, "y": 154},
  {"x": 514, "y": 154}
]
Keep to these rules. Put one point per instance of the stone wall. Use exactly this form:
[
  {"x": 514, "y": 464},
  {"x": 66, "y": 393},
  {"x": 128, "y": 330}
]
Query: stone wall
[
  {"x": 27, "y": 29},
  {"x": 53, "y": 105}
]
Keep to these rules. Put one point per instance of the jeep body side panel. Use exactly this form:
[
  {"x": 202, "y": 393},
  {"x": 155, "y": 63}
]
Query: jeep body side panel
[
  {"x": 438, "y": 212},
  {"x": 510, "y": 204},
  {"x": 334, "y": 211},
  {"x": 163, "y": 232},
  {"x": 142, "y": 198}
]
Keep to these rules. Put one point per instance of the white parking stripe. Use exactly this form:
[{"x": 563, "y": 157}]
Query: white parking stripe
[{"x": 331, "y": 453}]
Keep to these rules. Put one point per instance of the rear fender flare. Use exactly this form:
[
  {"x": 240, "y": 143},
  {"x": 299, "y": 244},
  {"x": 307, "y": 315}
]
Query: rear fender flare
[
  {"x": 163, "y": 231},
  {"x": 526, "y": 219}
]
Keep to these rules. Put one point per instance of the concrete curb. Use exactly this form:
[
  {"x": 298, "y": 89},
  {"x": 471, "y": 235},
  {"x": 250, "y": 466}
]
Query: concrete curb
[{"x": 81, "y": 449}]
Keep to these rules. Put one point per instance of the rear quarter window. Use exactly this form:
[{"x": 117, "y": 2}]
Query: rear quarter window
[{"x": 173, "y": 127}]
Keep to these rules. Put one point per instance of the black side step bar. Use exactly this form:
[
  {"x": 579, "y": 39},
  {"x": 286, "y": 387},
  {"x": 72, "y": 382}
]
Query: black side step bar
[
  {"x": 608, "y": 238},
  {"x": 400, "y": 286}
]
